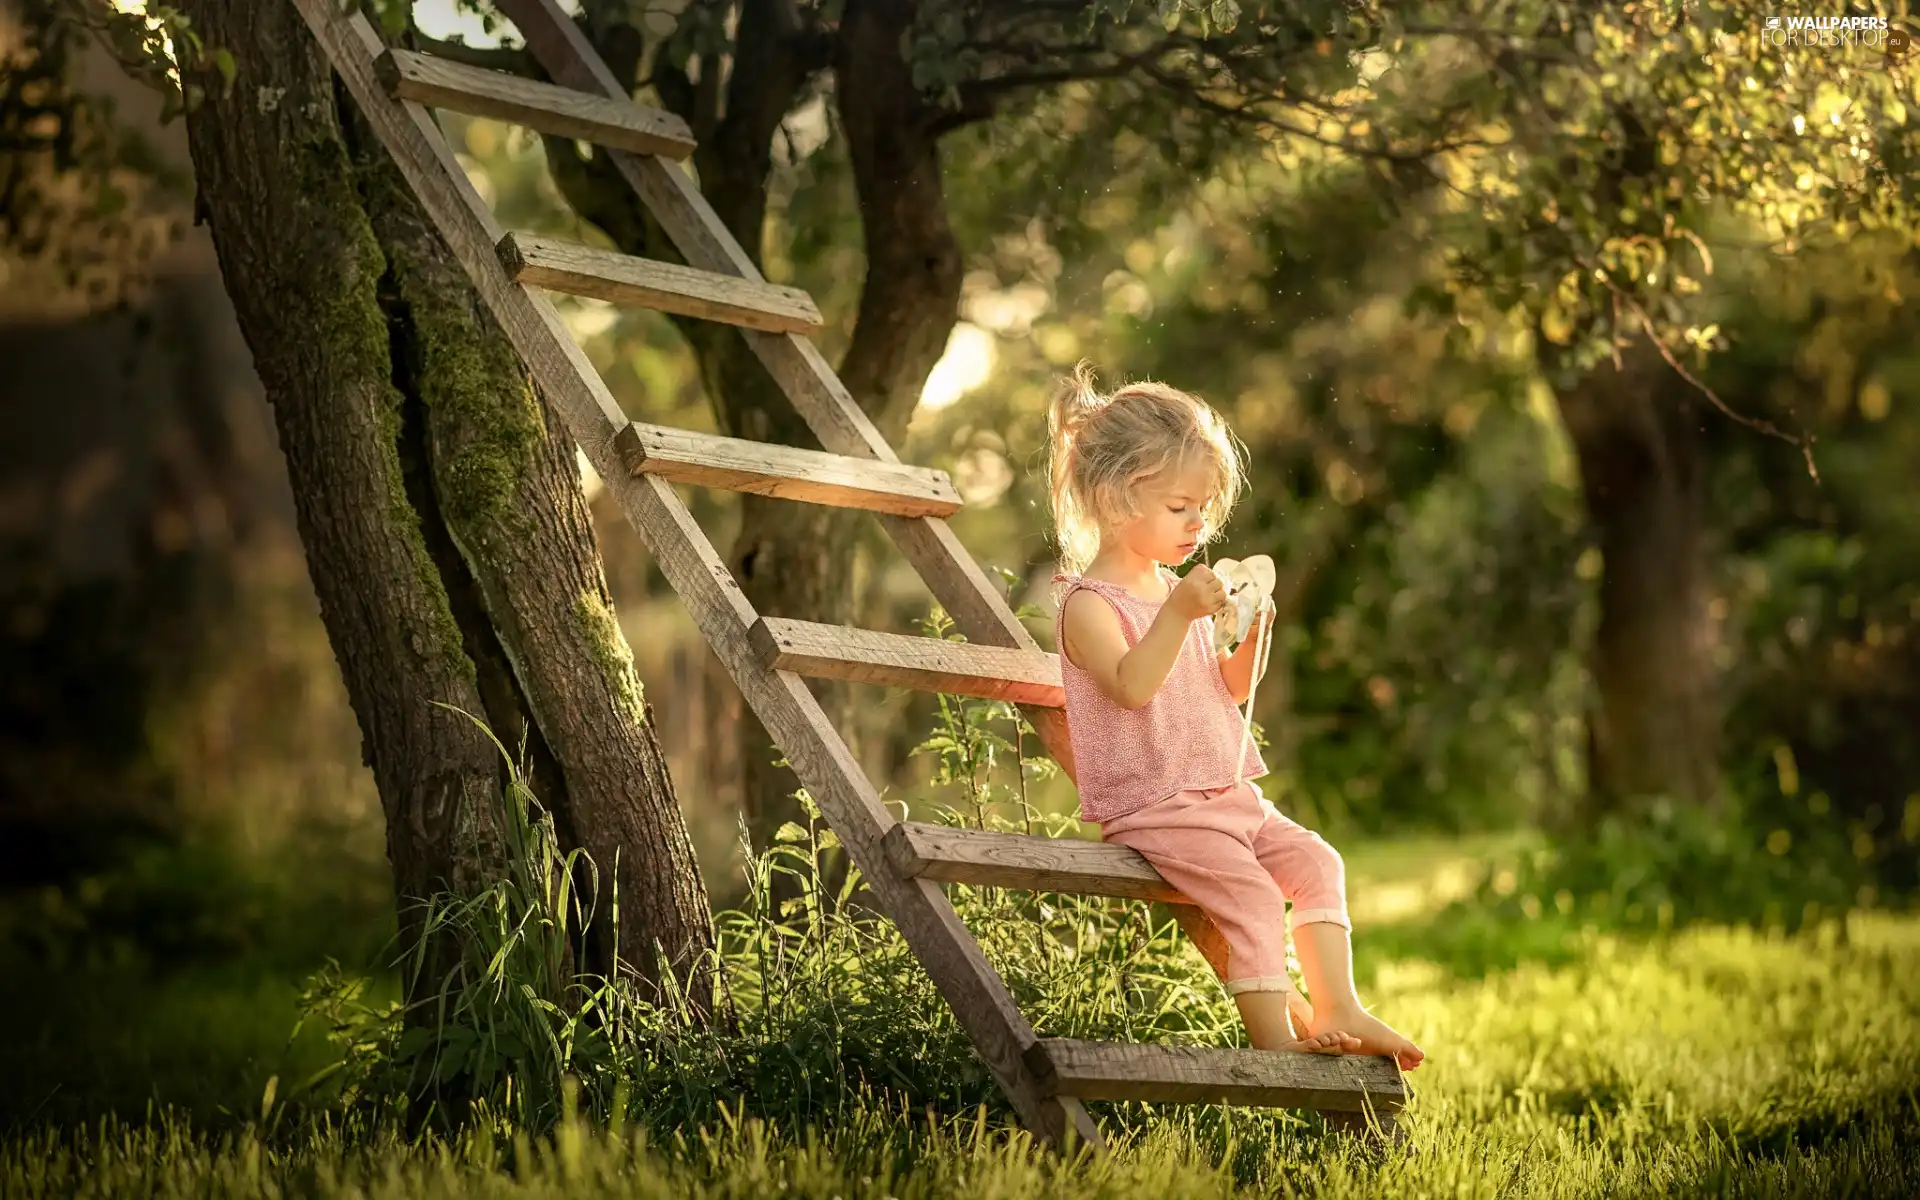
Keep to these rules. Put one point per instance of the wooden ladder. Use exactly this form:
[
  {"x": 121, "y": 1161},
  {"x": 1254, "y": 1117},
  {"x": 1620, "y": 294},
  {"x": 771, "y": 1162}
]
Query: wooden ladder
[{"x": 904, "y": 864}]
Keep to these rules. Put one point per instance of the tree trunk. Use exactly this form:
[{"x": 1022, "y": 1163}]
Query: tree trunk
[
  {"x": 1655, "y": 728},
  {"x": 439, "y": 503},
  {"x": 792, "y": 560},
  {"x": 507, "y": 487},
  {"x": 797, "y": 560},
  {"x": 304, "y": 271},
  {"x": 911, "y": 297}
]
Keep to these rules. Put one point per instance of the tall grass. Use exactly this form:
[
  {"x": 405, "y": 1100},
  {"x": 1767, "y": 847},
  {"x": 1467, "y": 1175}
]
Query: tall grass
[
  {"x": 1683, "y": 1061},
  {"x": 832, "y": 1014},
  {"x": 1716, "y": 1062},
  {"x": 1623, "y": 1063}
]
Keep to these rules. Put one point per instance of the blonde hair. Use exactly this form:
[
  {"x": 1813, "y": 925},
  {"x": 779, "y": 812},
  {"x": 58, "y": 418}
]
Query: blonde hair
[{"x": 1101, "y": 448}]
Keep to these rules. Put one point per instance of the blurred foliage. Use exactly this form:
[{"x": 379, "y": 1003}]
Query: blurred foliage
[
  {"x": 170, "y": 970},
  {"x": 1378, "y": 237},
  {"x": 84, "y": 203},
  {"x": 1627, "y": 134},
  {"x": 206, "y": 899},
  {"x": 1821, "y": 633}
]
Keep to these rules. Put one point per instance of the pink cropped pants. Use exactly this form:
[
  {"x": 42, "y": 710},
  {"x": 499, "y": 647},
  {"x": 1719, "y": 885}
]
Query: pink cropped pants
[{"x": 1231, "y": 852}]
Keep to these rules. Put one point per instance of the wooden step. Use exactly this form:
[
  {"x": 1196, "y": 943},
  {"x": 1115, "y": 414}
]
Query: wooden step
[
  {"x": 901, "y": 660},
  {"x": 814, "y": 476},
  {"x": 1202, "y": 1074},
  {"x": 621, "y": 124},
  {"x": 646, "y": 283},
  {"x": 1035, "y": 864}
]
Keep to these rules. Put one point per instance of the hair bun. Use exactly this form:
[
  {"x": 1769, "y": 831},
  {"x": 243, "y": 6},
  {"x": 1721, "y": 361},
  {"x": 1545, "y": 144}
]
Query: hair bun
[{"x": 1077, "y": 399}]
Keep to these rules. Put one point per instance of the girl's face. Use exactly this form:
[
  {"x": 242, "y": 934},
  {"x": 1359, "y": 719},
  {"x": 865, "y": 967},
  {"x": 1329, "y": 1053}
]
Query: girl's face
[{"x": 1168, "y": 523}]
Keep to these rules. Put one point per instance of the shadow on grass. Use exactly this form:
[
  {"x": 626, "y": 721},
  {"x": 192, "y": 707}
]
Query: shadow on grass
[
  {"x": 168, "y": 976},
  {"x": 1765, "y": 1130},
  {"x": 105, "y": 1040},
  {"x": 1898, "y": 1106}
]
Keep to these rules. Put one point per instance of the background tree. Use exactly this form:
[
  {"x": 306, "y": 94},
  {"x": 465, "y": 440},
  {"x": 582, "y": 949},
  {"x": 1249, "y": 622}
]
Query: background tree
[
  {"x": 1635, "y": 138},
  {"x": 1584, "y": 155},
  {"x": 903, "y": 78}
]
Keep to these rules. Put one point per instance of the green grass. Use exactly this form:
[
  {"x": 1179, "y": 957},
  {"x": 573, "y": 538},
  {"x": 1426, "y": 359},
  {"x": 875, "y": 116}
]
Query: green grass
[
  {"x": 119, "y": 1041},
  {"x": 171, "y": 977},
  {"x": 1875, "y": 1159},
  {"x": 1573, "y": 1050},
  {"x": 1717, "y": 1061}
]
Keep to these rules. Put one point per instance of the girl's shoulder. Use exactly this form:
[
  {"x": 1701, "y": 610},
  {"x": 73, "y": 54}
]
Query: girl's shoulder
[
  {"x": 1065, "y": 585},
  {"x": 1068, "y": 582}
]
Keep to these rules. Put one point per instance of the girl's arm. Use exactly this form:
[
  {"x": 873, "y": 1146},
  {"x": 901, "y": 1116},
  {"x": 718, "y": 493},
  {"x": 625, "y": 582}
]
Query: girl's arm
[
  {"x": 1238, "y": 668},
  {"x": 1095, "y": 643}
]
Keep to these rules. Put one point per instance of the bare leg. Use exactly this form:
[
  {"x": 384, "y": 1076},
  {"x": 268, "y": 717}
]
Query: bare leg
[
  {"x": 1326, "y": 959},
  {"x": 1268, "y": 1028}
]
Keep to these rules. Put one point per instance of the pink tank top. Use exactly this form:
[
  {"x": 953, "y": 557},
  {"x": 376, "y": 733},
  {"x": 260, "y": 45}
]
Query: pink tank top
[{"x": 1185, "y": 738}]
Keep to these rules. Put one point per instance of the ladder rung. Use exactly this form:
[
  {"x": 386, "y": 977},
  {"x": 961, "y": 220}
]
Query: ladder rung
[
  {"x": 739, "y": 465},
  {"x": 648, "y": 283},
  {"x": 955, "y": 962},
  {"x": 1204, "y": 1074},
  {"x": 901, "y": 660},
  {"x": 624, "y": 125},
  {"x": 1036, "y": 864}
]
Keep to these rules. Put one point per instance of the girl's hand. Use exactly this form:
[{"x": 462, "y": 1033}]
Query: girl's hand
[{"x": 1200, "y": 594}]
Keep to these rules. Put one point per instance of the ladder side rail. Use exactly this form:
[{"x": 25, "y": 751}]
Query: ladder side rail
[{"x": 919, "y": 908}]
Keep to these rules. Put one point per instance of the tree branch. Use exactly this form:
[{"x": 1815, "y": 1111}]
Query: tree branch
[
  {"x": 1803, "y": 441},
  {"x": 910, "y": 297}
]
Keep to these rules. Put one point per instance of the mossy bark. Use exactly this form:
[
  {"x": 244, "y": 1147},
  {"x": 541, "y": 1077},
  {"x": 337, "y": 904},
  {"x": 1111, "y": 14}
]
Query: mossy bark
[
  {"x": 304, "y": 270},
  {"x": 507, "y": 487},
  {"x": 473, "y": 580}
]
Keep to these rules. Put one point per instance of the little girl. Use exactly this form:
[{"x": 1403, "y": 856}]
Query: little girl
[{"x": 1140, "y": 479}]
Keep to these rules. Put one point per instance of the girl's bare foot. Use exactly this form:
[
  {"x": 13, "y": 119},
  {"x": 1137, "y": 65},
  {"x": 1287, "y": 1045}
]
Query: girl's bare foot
[
  {"x": 1330, "y": 1042},
  {"x": 1373, "y": 1035}
]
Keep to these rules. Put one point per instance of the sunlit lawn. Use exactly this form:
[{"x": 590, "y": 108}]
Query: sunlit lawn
[{"x": 1715, "y": 1061}]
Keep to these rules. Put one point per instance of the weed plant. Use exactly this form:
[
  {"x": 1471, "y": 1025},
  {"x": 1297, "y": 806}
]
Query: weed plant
[
  {"x": 1676, "y": 1060},
  {"x": 831, "y": 1013}
]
